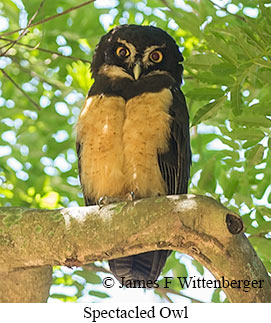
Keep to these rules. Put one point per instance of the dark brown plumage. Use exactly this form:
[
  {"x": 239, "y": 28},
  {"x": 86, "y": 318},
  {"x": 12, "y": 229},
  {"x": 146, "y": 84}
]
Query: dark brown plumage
[{"x": 133, "y": 131}]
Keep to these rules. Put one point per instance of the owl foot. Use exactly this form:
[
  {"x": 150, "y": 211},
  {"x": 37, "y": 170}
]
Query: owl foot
[
  {"x": 105, "y": 200},
  {"x": 131, "y": 196}
]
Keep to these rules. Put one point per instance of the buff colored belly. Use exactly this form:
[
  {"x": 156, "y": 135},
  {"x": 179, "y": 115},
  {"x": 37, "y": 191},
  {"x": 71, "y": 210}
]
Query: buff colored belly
[{"x": 120, "y": 141}]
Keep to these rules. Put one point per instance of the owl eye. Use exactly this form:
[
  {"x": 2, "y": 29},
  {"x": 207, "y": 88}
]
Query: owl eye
[
  {"x": 122, "y": 51},
  {"x": 156, "y": 56}
]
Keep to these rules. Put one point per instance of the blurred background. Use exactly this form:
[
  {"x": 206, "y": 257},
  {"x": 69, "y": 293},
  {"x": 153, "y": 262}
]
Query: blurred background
[{"x": 45, "y": 54}]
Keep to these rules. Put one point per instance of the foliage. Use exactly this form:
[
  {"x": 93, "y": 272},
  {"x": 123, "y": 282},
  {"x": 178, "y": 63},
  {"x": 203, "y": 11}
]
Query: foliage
[{"x": 226, "y": 81}]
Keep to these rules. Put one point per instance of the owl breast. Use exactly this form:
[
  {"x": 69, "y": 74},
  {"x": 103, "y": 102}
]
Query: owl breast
[{"x": 120, "y": 141}]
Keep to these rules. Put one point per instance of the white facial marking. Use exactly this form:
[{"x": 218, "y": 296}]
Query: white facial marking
[
  {"x": 114, "y": 72},
  {"x": 145, "y": 60},
  {"x": 131, "y": 58}
]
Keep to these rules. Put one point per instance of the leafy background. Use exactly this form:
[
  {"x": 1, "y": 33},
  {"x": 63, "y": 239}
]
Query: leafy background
[{"x": 227, "y": 82}]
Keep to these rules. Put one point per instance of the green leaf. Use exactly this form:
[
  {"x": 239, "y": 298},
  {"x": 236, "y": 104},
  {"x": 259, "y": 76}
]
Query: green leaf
[
  {"x": 205, "y": 93},
  {"x": 80, "y": 73},
  {"x": 222, "y": 48},
  {"x": 98, "y": 294},
  {"x": 208, "y": 111},
  {"x": 216, "y": 296},
  {"x": 231, "y": 185},
  {"x": 207, "y": 180},
  {"x": 263, "y": 63},
  {"x": 255, "y": 155},
  {"x": 89, "y": 276},
  {"x": 253, "y": 120},
  {"x": 253, "y": 134},
  {"x": 171, "y": 262},
  {"x": 263, "y": 76},
  {"x": 249, "y": 50},
  {"x": 203, "y": 61},
  {"x": 199, "y": 266},
  {"x": 58, "y": 296},
  {"x": 236, "y": 101},
  {"x": 229, "y": 142},
  {"x": 180, "y": 270},
  {"x": 262, "y": 246},
  {"x": 224, "y": 69}
]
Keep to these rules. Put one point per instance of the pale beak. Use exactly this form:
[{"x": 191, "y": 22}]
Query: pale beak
[{"x": 137, "y": 70}]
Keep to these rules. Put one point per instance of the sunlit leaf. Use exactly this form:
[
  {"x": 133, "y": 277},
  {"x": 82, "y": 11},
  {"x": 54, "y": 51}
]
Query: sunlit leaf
[
  {"x": 209, "y": 110},
  {"x": 255, "y": 155},
  {"x": 236, "y": 101},
  {"x": 89, "y": 275},
  {"x": 98, "y": 294}
]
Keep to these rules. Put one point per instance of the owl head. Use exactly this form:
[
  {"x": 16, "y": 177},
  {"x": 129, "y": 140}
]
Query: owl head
[{"x": 137, "y": 52}]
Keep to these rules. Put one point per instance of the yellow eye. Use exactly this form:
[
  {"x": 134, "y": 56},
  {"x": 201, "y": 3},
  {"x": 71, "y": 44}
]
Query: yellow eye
[
  {"x": 156, "y": 56},
  {"x": 122, "y": 51}
]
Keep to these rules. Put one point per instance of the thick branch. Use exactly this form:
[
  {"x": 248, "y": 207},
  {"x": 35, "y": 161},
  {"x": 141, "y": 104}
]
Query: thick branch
[{"x": 196, "y": 225}]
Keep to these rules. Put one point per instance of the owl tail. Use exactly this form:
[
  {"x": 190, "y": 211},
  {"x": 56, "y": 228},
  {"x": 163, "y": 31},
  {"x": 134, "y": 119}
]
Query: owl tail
[{"x": 137, "y": 270}]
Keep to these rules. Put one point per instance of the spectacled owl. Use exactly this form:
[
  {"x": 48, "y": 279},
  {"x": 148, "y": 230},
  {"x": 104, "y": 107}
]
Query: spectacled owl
[{"x": 133, "y": 130}]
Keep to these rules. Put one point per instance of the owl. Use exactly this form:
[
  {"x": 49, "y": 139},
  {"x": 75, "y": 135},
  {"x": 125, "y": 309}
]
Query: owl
[{"x": 133, "y": 130}]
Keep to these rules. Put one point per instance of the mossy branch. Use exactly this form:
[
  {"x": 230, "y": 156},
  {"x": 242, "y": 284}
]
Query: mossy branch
[{"x": 195, "y": 225}]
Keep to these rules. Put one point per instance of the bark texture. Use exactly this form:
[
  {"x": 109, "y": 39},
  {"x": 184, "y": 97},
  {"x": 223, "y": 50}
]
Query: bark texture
[
  {"x": 31, "y": 240},
  {"x": 29, "y": 285}
]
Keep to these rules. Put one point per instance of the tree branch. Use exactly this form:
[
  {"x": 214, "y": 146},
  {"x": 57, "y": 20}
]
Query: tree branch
[
  {"x": 196, "y": 225},
  {"x": 20, "y": 89},
  {"x": 55, "y": 83},
  {"x": 229, "y": 13},
  {"x": 51, "y": 17},
  {"x": 46, "y": 50},
  {"x": 25, "y": 30}
]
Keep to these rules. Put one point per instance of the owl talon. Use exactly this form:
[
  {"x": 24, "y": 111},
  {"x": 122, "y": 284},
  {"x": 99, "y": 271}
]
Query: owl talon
[
  {"x": 105, "y": 200},
  {"x": 131, "y": 196}
]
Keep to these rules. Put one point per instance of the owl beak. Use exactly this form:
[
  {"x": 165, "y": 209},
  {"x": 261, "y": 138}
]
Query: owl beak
[{"x": 137, "y": 70}]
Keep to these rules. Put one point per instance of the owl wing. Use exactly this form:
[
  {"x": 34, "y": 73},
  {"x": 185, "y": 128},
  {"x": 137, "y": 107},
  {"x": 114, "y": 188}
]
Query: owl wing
[
  {"x": 175, "y": 163},
  {"x": 88, "y": 200}
]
